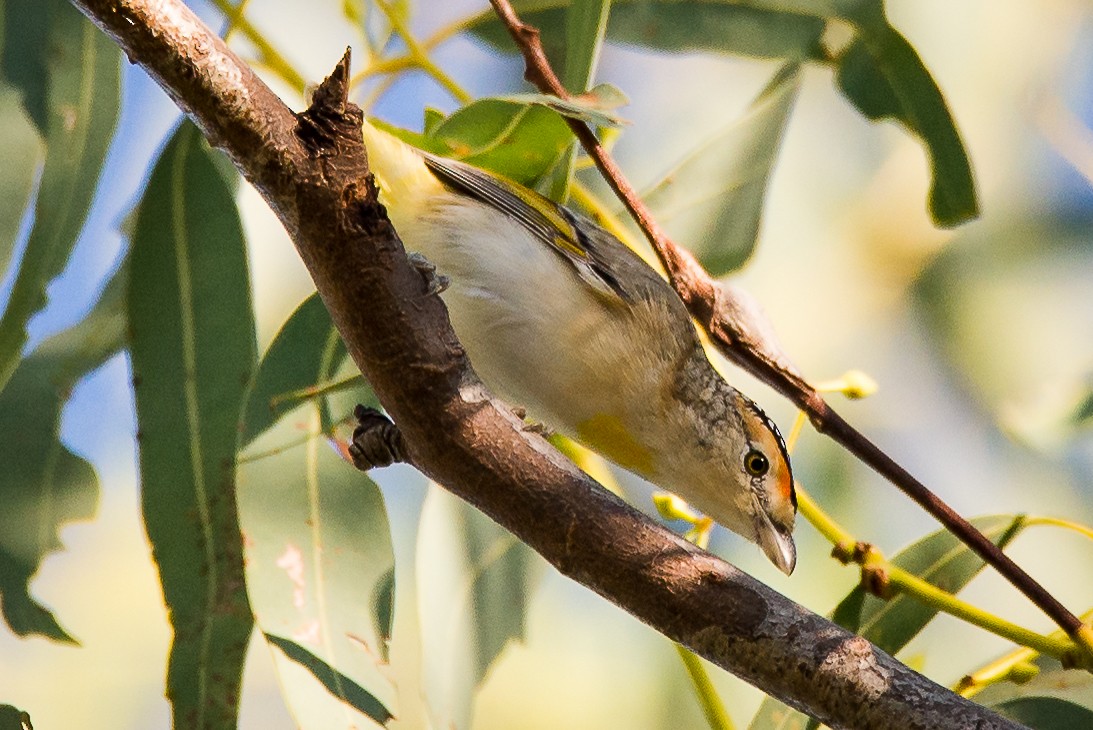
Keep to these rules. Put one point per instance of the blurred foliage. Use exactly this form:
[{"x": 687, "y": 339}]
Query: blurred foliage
[
  {"x": 319, "y": 559},
  {"x": 876, "y": 68},
  {"x": 890, "y": 624},
  {"x": 474, "y": 584},
  {"x": 43, "y": 484},
  {"x": 1019, "y": 281},
  {"x": 249, "y": 505},
  {"x": 712, "y": 201},
  {"x": 192, "y": 347},
  {"x": 12, "y": 718},
  {"x": 68, "y": 75},
  {"x": 1052, "y": 681}
]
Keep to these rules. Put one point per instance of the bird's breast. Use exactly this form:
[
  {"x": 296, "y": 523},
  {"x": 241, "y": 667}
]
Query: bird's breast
[{"x": 540, "y": 338}]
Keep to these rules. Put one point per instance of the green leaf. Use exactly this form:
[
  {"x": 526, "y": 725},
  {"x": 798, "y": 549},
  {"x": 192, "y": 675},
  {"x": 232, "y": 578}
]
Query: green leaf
[
  {"x": 1071, "y": 685},
  {"x": 883, "y": 76},
  {"x": 1046, "y": 713},
  {"x": 43, "y": 485},
  {"x": 25, "y": 54},
  {"x": 21, "y": 152},
  {"x": 1083, "y": 412},
  {"x": 474, "y": 581},
  {"x": 319, "y": 570},
  {"x": 519, "y": 141},
  {"x": 307, "y": 361},
  {"x": 939, "y": 558},
  {"x": 12, "y": 718},
  {"x": 878, "y": 70},
  {"x": 79, "y": 69},
  {"x": 674, "y": 26},
  {"x": 712, "y": 200},
  {"x": 335, "y": 682},
  {"x": 585, "y": 26},
  {"x": 320, "y": 564},
  {"x": 193, "y": 350}
]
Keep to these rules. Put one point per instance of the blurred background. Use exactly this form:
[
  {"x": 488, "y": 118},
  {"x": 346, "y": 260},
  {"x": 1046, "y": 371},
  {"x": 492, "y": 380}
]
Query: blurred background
[{"x": 981, "y": 340}]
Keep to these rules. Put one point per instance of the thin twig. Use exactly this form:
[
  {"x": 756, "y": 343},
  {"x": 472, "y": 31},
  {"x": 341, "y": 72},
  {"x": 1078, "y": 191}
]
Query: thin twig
[
  {"x": 745, "y": 342},
  {"x": 848, "y": 549}
]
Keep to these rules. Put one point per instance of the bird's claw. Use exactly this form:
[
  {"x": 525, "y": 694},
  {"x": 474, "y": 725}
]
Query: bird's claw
[
  {"x": 435, "y": 283},
  {"x": 377, "y": 441}
]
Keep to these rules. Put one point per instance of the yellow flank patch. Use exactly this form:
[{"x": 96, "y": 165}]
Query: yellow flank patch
[{"x": 607, "y": 435}]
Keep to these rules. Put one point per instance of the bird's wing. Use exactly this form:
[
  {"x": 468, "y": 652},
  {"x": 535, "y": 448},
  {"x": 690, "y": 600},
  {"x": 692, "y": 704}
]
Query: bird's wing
[{"x": 550, "y": 223}]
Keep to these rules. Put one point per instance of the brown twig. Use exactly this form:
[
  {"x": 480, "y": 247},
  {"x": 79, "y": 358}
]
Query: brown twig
[
  {"x": 743, "y": 338},
  {"x": 311, "y": 169}
]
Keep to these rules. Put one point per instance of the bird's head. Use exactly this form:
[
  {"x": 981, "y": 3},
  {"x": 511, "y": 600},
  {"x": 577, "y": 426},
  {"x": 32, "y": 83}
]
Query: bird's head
[
  {"x": 739, "y": 472},
  {"x": 770, "y": 501}
]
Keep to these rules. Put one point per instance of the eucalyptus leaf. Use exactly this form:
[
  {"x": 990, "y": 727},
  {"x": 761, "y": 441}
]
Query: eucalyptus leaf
[
  {"x": 474, "y": 581},
  {"x": 21, "y": 153},
  {"x": 1083, "y": 412},
  {"x": 1046, "y": 713},
  {"x": 519, "y": 140},
  {"x": 673, "y": 25},
  {"x": 12, "y": 718},
  {"x": 193, "y": 350},
  {"x": 1071, "y": 685},
  {"x": 585, "y": 26},
  {"x": 43, "y": 485},
  {"x": 516, "y": 140},
  {"x": 320, "y": 564},
  {"x": 71, "y": 86},
  {"x": 335, "y": 682},
  {"x": 304, "y": 361},
  {"x": 883, "y": 76},
  {"x": 712, "y": 200},
  {"x": 939, "y": 558},
  {"x": 877, "y": 70}
]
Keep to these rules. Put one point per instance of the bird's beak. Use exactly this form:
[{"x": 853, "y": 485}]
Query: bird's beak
[{"x": 777, "y": 545}]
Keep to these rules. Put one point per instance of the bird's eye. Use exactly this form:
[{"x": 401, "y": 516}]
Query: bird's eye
[{"x": 756, "y": 464}]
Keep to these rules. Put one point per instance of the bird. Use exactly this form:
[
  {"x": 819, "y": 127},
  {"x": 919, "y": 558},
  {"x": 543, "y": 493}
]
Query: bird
[{"x": 564, "y": 321}]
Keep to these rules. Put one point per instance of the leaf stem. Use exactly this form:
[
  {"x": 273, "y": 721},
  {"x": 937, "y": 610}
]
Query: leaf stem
[
  {"x": 317, "y": 390},
  {"x": 931, "y": 595},
  {"x": 712, "y": 706},
  {"x": 848, "y": 549},
  {"x": 1059, "y": 522},
  {"x": 1015, "y": 666},
  {"x": 843, "y": 541}
]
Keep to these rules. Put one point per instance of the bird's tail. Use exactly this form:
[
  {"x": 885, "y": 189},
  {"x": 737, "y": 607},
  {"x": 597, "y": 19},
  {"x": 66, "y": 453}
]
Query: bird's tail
[{"x": 404, "y": 180}]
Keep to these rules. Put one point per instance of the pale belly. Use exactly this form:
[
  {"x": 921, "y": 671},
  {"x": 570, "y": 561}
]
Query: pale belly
[{"x": 535, "y": 333}]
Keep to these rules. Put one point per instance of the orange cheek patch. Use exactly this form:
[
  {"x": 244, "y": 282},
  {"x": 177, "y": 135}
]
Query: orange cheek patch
[
  {"x": 785, "y": 483},
  {"x": 783, "y": 479}
]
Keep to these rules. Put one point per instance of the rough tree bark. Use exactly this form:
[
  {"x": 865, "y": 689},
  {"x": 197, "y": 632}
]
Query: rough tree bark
[{"x": 311, "y": 168}]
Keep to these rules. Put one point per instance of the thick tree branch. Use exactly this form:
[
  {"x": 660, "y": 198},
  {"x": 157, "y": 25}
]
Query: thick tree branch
[
  {"x": 312, "y": 170},
  {"x": 741, "y": 335}
]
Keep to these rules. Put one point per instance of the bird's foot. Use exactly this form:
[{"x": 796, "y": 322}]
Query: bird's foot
[
  {"x": 377, "y": 441},
  {"x": 435, "y": 283}
]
